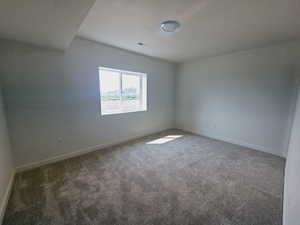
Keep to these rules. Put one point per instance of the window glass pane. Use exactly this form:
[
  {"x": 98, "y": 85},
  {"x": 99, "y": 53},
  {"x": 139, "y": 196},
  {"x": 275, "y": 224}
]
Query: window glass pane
[
  {"x": 122, "y": 91},
  {"x": 110, "y": 92},
  {"x": 131, "y": 93}
]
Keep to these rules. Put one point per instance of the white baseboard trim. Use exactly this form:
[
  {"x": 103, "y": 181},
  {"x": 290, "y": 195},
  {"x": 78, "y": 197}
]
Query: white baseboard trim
[
  {"x": 102, "y": 146},
  {"x": 235, "y": 142},
  {"x": 6, "y": 196},
  {"x": 80, "y": 152}
]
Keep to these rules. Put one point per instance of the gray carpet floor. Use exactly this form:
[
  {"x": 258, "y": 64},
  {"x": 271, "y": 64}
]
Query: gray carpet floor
[{"x": 168, "y": 178}]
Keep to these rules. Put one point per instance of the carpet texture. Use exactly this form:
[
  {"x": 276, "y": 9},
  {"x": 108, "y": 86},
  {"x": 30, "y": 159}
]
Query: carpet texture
[{"x": 168, "y": 178}]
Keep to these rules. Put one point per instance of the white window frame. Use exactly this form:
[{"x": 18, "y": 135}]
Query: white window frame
[{"x": 143, "y": 89}]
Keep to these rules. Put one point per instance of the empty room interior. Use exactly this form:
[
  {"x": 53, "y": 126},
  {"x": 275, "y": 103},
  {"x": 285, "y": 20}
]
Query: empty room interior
[{"x": 149, "y": 112}]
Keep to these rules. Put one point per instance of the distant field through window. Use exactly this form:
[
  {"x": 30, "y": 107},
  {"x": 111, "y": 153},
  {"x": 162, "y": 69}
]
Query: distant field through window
[{"x": 122, "y": 91}]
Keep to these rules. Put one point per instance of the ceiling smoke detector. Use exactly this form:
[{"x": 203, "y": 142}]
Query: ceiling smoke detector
[{"x": 170, "y": 26}]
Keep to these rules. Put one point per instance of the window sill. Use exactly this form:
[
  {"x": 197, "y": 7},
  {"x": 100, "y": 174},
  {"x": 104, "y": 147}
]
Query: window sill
[{"x": 118, "y": 113}]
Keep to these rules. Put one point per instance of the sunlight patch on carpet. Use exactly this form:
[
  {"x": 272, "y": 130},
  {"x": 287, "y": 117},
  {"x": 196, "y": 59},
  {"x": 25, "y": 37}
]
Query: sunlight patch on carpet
[{"x": 164, "y": 140}]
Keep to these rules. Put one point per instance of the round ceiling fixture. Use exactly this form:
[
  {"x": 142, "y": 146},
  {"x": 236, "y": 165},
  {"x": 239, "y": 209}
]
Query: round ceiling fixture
[{"x": 170, "y": 26}]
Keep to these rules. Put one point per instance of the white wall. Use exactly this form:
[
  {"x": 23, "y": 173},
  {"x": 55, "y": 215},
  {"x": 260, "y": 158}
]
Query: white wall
[
  {"x": 53, "y": 102},
  {"x": 292, "y": 179},
  {"x": 244, "y": 98},
  {"x": 6, "y": 163}
]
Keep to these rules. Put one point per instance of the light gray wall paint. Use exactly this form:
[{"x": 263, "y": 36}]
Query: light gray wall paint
[
  {"x": 244, "y": 98},
  {"x": 6, "y": 163},
  {"x": 292, "y": 182},
  {"x": 53, "y": 102}
]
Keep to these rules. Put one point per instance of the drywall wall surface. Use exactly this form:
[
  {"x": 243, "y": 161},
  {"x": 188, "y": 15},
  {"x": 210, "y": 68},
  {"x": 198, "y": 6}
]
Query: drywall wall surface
[
  {"x": 244, "y": 98},
  {"x": 6, "y": 163},
  {"x": 291, "y": 204},
  {"x": 53, "y": 100}
]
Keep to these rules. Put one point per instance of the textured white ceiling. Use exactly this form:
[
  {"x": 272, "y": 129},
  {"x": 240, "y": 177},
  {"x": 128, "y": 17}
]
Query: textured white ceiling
[
  {"x": 209, "y": 27},
  {"x": 50, "y": 23}
]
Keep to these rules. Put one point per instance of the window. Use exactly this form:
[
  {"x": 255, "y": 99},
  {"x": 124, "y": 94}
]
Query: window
[{"x": 122, "y": 91}]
